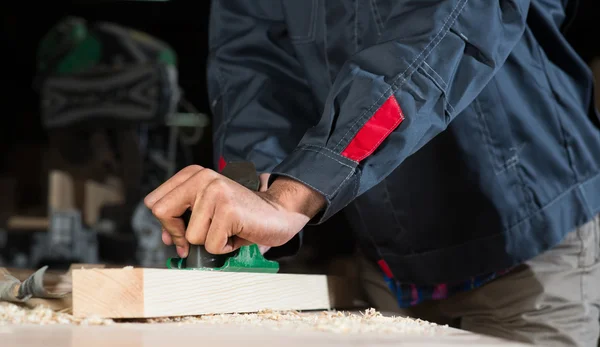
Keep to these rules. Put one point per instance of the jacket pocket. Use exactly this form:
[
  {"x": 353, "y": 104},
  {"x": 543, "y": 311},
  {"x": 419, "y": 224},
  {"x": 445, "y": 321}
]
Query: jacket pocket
[
  {"x": 499, "y": 129},
  {"x": 301, "y": 17},
  {"x": 494, "y": 129}
]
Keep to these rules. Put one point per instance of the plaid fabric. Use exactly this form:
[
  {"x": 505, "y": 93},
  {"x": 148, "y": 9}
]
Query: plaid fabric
[{"x": 410, "y": 295}]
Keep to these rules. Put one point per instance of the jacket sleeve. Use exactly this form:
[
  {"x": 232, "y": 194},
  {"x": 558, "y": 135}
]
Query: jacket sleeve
[
  {"x": 432, "y": 60},
  {"x": 261, "y": 104}
]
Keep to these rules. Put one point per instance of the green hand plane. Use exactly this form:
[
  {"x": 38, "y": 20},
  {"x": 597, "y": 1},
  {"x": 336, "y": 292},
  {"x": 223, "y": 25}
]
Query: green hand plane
[{"x": 246, "y": 258}]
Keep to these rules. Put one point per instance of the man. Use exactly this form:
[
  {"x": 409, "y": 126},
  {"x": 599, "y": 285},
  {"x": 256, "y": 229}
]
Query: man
[{"x": 460, "y": 134}]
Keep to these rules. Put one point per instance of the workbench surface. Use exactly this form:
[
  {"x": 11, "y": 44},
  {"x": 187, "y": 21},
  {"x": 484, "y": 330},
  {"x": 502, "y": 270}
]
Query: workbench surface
[
  {"x": 41, "y": 326},
  {"x": 174, "y": 334}
]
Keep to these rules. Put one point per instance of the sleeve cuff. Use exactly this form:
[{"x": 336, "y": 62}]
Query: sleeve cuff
[{"x": 325, "y": 171}]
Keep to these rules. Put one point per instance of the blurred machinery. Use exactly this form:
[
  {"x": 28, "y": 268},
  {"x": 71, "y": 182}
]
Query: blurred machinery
[{"x": 110, "y": 102}]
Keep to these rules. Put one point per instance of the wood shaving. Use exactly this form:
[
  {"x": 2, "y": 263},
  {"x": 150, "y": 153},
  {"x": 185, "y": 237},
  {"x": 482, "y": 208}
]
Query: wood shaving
[
  {"x": 13, "y": 314},
  {"x": 369, "y": 321},
  {"x": 336, "y": 322}
]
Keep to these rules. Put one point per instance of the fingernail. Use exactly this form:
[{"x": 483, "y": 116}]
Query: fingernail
[{"x": 181, "y": 252}]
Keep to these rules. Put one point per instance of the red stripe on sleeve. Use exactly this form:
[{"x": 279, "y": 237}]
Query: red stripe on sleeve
[
  {"x": 387, "y": 118},
  {"x": 222, "y": 163},
  {"x": 385, "y": 268}
]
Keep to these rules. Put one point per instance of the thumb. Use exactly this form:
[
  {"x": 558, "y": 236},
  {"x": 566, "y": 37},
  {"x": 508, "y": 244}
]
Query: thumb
[{"x": 264, "y": 182}]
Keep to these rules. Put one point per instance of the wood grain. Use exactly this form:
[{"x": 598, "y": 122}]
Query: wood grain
[
  {"x": 145, "y": 293},
  {"x": 108, "y": 292}
]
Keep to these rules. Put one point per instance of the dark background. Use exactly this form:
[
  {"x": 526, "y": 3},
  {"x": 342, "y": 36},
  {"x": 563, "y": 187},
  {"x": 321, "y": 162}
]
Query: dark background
[{"x": 182, "y": 24}]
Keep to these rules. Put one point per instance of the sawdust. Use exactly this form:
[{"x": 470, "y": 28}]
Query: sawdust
[
  {"x": 13, "y": 314},
  {"x": 371, "y": 321}
]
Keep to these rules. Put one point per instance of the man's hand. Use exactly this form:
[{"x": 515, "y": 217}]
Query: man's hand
[
  {"x": 264, "y": 184},
  {"x": 226, "y": 215}
]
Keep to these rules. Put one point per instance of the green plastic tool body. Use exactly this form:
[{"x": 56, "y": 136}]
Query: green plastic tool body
[{"x": 247, "y": 258}]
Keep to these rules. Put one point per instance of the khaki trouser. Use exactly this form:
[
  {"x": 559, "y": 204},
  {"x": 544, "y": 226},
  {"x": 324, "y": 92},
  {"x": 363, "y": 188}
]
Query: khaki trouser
[{"x": 552, "y": 300}]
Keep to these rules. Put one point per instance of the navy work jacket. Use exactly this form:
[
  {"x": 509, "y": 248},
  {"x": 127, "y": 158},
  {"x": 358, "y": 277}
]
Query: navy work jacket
[{"x": 461, "y": 134}]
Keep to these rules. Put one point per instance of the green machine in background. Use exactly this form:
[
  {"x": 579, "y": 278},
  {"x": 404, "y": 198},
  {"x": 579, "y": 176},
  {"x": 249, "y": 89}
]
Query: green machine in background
[
  {"x": 120, "y": 85},
  {"x": 101, "y": 73},
  {"x": 105, "y": 72}
]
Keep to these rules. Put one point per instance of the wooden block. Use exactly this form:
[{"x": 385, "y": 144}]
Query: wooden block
[
  {"x": 27, "y": 223},
  {"x": 81, "y": 266},
  {"x": 145, "y": 293},
  {"x": 61, "y": 191},
  {"x": 98, "y": 194}
]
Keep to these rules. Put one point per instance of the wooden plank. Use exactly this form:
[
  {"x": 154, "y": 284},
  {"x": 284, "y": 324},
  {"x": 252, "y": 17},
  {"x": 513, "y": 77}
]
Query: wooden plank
[
  {"x": 98, "y": 194},
  {"x": 27, "y": 223},
  {"x": 144, "y": 293},
  {"x": 61, "y": 191}
]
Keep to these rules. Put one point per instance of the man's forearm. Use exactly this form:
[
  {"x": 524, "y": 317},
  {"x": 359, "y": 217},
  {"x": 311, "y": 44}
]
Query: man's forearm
[{"x": 294, "y": 196}]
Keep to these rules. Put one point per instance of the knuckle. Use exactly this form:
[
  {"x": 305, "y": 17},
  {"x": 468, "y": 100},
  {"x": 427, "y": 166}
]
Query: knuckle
[
  {"x": 160, "y": 211},
  {"x": 230, "y": 213},
  {"x": 206, "y": 174},
  {"x": 191, "y": 168},
  {"x": 212, "y": 248},
  {"x": 148, "y": 202},
  {"x": 217, "y": 186},
  {"x": 194, "y": 238},
  {"x": 178, "y": 240}
]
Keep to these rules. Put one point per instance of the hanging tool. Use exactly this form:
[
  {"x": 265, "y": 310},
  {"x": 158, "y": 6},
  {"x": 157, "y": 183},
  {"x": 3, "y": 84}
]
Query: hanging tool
[{"x": 246, "y": 258}]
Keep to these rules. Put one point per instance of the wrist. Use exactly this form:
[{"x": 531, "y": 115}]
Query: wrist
[{"x": 295, "y": 196}]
